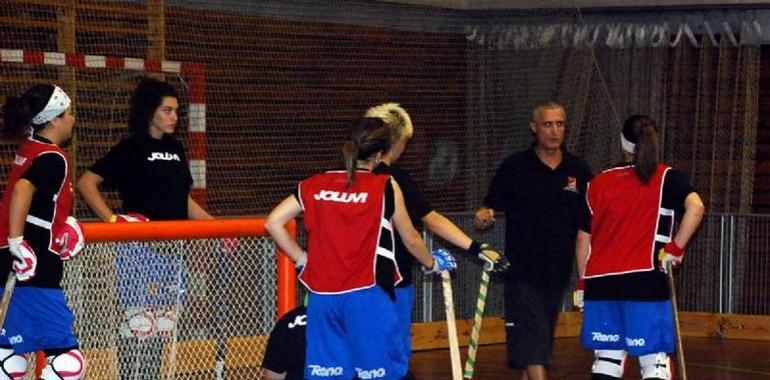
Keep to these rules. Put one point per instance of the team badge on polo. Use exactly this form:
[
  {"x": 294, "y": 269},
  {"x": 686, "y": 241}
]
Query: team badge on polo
[{"x": 571, "y": 185}]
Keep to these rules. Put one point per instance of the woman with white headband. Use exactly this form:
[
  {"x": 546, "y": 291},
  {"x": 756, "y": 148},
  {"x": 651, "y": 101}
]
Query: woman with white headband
[
  {"x": 37, "y": 234},
  {"x": 625, "y": 243}
]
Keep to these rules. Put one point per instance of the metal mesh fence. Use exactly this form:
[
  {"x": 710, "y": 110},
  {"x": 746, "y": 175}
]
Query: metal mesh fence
[
  {"x": 465, "y": 280},
  {"x": 726, "y": 270},
  {"x": 101, "y": 101},
  {"x": 727, "y": 266}
]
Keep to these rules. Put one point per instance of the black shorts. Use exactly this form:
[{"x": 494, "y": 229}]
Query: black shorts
[{"x": 530, "y": 320}]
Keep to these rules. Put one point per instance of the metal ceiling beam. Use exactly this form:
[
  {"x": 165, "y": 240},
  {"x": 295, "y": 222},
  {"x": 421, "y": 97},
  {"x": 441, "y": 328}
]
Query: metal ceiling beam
[{"x": 601, "y": 4}]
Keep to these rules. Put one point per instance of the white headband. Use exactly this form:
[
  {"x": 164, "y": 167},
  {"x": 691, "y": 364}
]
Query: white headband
[
  {"x": 58, "y": 103},
  {"x": 628, "y": 146}
]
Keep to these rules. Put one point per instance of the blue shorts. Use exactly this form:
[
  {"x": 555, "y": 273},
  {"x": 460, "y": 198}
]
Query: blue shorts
[
  {"x": 404, "y": 304},
  {"x": 149, "y": 278},
  {"x": 639, "y": 327},
  {"x": 352, "y": 334},
  {"x": 38, "y": 319}
]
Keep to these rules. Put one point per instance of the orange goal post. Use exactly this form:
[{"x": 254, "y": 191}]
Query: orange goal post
[{"x": 165, "y": 300}]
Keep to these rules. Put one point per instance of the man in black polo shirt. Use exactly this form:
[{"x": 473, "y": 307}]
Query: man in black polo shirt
[{"x": 540, "y": 190}]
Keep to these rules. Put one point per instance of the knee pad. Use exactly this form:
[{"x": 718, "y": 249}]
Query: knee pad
[
  {"x": 12, "y": 366},
  {"x": 165, "y": 322},
  {"x": 68, "y": 365},
  {"x": 138, "y": 322},
  {"x": 609, "y": 364},
  {"x": 655, "y": 366}
]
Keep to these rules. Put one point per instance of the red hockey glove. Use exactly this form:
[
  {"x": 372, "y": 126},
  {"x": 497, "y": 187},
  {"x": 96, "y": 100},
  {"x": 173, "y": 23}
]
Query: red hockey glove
[
  {"x": 670, "y": 253},
  {"x": 70, "y": 239}
]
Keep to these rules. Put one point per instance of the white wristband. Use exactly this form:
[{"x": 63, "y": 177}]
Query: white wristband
[{"x": 15, "y": 242}]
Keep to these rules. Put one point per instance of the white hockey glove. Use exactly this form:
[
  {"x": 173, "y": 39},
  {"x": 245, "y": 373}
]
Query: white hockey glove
[
  {"x": 70, "y": 239},
  {"x": 24, "y": 258},
  {"x": 442, "y": 260},
  {"x": 577, "y": 295}
]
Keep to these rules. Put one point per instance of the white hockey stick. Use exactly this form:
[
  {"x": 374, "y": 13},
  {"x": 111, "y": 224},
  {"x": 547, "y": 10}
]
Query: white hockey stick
[
  {"x": 10, "y": 284},
  {"x": 675, "y": 310},
  {"x": 454, "y": 344}
]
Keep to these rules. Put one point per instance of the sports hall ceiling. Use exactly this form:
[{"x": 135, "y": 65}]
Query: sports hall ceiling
[{"x": 529, "y": 4}]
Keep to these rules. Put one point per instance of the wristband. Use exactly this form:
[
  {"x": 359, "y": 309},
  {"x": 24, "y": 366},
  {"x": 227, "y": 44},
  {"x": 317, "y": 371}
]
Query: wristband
[
  {"x": 15, "y": 241},
  {"x": 673, "y": 249},
  {"x": 475, "y": 248}
]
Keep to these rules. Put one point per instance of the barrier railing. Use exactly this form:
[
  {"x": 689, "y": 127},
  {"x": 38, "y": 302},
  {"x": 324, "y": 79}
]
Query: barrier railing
[{"x": 726, "y": 270}]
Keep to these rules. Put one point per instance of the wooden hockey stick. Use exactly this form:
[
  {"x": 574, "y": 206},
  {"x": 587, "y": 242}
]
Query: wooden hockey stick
[
  {"x": 224, "y": 254},
  {"x": 454, "y": 344},
  {"x": 675, "y": 310},
  {"x": 10, "y": 284},
  {"x": 481, "y": 302}
]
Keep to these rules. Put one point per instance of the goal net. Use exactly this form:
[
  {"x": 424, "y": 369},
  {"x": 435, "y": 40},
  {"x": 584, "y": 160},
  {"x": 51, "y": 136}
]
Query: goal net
[
  {"x": 280, "y": 82},
  {"x": 273, "y": 86},
  {"x": 101, "y": 87},
  {"x": 171, "y": 300}
]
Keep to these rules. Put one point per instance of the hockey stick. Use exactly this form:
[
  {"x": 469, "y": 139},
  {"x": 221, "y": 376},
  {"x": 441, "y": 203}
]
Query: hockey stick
[
  {"x": 224, "y": 256},
  {"x": 481, "y": 302},
  {"x": 454, "y": 345},
  {"x": 10, "y": 284},
  {"x": 675, "y": 310}
]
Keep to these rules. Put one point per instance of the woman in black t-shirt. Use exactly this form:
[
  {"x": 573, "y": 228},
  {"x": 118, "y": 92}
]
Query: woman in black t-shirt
[
  {"x": 149, "y": 168},
  {"x": 150, "y": 171}
]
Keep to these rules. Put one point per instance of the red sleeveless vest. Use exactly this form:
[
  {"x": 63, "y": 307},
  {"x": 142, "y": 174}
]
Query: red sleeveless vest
[
  {"x": 624, "y": 222},
  {"x": 344, "y": 227},
  {"x": 29, "y": 150}
]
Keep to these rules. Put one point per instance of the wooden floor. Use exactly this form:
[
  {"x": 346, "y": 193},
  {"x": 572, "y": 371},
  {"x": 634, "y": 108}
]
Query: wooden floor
[{"x": 706, "y": 359}]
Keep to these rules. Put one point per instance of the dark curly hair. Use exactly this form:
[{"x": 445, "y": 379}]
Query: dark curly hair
[{"x": 147, "y": 97}]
